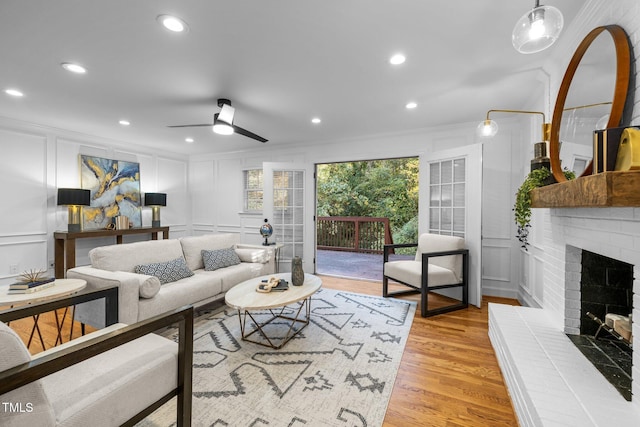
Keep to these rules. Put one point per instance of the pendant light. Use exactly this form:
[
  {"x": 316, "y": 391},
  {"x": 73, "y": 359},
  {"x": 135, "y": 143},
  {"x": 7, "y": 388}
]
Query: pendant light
[{"x": 537, "y": 29}]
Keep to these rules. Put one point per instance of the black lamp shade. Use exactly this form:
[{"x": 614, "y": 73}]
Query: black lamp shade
[
  {"x": 73, "y": 196},
  {"x": 155, "y": 199}
]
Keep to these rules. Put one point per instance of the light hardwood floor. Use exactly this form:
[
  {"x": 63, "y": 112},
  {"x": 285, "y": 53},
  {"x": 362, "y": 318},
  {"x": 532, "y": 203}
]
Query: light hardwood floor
[{"x": 448, "y": 377}]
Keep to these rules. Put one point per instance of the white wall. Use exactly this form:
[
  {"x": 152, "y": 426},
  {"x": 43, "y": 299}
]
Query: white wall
[
  {"x": 625, "y": 13},
  {"x": 36, "y": 160},
  {"x": 216, "y": 183}
]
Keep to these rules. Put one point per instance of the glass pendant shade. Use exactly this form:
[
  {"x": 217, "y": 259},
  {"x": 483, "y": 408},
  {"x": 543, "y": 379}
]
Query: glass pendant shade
[
  {"x": 537, "y": 29},
  {"x": 487, "y": 129}
]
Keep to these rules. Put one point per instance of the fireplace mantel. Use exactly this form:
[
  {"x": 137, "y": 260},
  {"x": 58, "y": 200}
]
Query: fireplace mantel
[{"x": 607, "y": 189}]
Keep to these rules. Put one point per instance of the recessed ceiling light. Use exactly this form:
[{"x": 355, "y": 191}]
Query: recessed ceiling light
[
  {"x": 316, "y": 120},
  {"x": 189, "y": 140},
  {"x": 74, "y": 68},
  {"x": 397, "y": 59},
  {"x": 14, "y": 92},
  {"x": 124, "y": 122},
  {"x": 411, "y": 105},
  {"x": 172, "y": 23}
]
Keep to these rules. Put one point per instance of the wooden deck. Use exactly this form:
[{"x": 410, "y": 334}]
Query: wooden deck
[{"x": 352, "y": 265}]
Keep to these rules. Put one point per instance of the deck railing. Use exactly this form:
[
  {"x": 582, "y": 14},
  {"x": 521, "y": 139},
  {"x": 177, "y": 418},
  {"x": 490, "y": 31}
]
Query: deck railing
[{"x": 353, "y": 233}]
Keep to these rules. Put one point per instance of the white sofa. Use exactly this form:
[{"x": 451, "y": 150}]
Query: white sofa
[{"x": 141, "y": 296}]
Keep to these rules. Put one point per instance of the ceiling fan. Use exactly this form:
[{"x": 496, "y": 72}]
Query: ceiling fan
[{"x": 223, "y": 122}]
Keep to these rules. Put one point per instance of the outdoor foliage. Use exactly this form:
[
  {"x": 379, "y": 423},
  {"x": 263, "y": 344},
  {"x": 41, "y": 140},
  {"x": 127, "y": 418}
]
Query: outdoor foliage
[{"x": 378, "y": 188}]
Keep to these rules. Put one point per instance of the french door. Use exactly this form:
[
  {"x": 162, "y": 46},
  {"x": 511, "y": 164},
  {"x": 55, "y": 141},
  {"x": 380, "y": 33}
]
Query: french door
[
  {"x": 451, "y": 203},
  {"x": 289, "y": 205}
]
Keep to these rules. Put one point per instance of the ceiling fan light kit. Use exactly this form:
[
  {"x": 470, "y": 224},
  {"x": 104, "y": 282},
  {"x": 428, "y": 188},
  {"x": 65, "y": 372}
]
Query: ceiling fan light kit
[
  {"x": 221, "y": 127},
  {"x": 537, "y": 29},
  {"x": 223, "y": 122}
]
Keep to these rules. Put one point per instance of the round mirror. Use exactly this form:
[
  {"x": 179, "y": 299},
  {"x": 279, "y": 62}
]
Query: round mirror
[{"x": 592, "y": 96}]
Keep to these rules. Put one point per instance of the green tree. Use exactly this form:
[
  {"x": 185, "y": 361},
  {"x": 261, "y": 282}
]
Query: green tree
[{"x": 377, "y": 188}]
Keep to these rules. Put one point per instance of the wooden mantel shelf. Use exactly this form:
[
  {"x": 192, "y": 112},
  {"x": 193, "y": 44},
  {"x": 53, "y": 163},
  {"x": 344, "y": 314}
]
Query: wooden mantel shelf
[{"x": 621, "y": 189}]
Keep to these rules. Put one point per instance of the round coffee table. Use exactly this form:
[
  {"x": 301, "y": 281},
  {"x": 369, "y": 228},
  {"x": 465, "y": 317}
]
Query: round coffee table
[
  {"x": 61, "y": 287},
  {"x": 250, "y": 303}
]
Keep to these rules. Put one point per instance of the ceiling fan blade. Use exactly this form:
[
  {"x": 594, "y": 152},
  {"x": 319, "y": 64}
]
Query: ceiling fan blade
[
  {"x": 190, "y": 126},
  {"x": 248, "y": 134}
]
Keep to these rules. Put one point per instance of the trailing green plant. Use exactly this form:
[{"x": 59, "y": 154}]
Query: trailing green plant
[{"x": 522, "y": 207}]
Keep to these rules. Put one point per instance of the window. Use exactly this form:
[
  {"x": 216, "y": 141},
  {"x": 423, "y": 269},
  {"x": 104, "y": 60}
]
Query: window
[
  {"x": 253, "y": 190},
  {"x": 447, "y": 197}
]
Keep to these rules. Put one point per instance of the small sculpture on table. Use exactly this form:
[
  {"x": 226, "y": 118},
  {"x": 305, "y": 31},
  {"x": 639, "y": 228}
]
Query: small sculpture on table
[
  {"x": 297, "y": 273},
  {"x": 266, "y": 230}
]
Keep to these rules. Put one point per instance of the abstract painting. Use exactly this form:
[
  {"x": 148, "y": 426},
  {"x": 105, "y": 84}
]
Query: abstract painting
[{"x": 115, "y": 190}]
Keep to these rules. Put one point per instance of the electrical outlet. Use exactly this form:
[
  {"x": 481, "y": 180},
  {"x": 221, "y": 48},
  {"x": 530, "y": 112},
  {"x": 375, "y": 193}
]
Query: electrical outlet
[{"x": 13, "y": 269}]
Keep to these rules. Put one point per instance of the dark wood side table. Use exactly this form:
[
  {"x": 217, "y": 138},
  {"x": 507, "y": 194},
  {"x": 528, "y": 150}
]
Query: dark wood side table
[{"x": 65, "y": 243}]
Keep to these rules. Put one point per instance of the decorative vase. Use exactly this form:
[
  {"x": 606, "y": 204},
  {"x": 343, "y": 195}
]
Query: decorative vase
[{"x": 297, "y": 274}]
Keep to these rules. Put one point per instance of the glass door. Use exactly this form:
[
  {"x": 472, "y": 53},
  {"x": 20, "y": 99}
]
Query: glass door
[{"x": 289, "y": 207}]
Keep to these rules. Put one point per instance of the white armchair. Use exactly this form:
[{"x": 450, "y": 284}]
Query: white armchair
[
  {"x": 441, "y": 262},
  {"x": 115, "y": 376}
]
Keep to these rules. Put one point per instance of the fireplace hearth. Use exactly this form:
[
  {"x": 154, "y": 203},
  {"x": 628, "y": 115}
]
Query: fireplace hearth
[
  {"x": 612, "y": 358},
  {"x": 606, "y": 290}
]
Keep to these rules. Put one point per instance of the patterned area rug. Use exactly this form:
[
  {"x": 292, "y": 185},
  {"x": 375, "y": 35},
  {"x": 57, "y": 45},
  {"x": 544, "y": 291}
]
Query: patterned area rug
[{"x": 338, "y": 371}]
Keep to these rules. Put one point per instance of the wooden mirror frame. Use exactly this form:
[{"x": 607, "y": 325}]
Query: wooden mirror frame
[{"x": 623, "y": 65}]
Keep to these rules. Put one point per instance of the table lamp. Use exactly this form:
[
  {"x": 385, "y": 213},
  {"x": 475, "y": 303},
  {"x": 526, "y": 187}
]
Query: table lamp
[
  {"x": 155, "y": 200},
  {"x": 74, "y": 199}
]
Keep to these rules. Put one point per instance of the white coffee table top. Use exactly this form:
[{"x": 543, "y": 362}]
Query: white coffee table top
[
  {"x": 61, "y": 288},
  {"x": 244, "y": 296}
]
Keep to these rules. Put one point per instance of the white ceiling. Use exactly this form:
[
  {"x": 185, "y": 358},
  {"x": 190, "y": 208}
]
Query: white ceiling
[{"x": 281, "y": 62}]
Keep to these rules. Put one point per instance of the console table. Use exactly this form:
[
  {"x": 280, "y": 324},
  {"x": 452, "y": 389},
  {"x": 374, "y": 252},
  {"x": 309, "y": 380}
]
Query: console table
[{"x": 65, "y": 243}]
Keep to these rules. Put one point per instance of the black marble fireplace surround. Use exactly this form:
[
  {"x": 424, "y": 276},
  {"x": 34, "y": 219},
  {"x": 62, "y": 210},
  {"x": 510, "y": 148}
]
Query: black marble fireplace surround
[{"x": 606, "y": 287}]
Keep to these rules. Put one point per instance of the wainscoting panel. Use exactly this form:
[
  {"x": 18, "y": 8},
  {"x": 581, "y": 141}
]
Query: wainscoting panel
[
  {"x": 26, "y": 253},
  {"x": 24, "y": 182},
  {"x": 203, "y": 193},
  {"x": 497, "y": 268},
  {"x": 173, "y": 181}
]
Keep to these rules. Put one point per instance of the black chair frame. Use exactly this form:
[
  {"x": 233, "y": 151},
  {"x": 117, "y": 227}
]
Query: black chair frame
[
  {"x": 424, "y": 288},
  {"x": 26, "y": 373}
]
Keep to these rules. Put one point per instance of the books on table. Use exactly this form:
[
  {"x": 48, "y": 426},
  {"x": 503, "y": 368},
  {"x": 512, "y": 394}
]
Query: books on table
[{"x": 30, "y": 287}]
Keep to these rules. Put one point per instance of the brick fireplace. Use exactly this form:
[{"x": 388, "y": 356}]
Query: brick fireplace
[{"x": 549, "y": 379}]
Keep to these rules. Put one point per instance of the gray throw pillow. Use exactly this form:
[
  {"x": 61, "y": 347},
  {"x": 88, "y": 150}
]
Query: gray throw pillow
[
  {"x": 166, "y": 272},
  {"x": 219, "y": 258}
]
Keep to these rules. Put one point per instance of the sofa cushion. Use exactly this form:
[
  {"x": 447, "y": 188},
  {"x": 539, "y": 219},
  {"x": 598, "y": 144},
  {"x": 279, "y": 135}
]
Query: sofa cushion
[
  {"x": 192, "y": 247},
  {"x": 219, "y": 258},
  {"x": 253, "y": 255},
  {"x": 231, "y": 276},
  {"x": 126, "y": 256},
  {"x": 149, "y": 286},
  {"x": 13, "y": 352},
  {"x": 168, "y": 271},
  {"x": 191, "y": 290}
]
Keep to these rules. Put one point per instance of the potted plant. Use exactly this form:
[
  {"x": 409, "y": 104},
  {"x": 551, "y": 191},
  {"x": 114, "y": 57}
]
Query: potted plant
[{"x": 522, "y": 207}]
